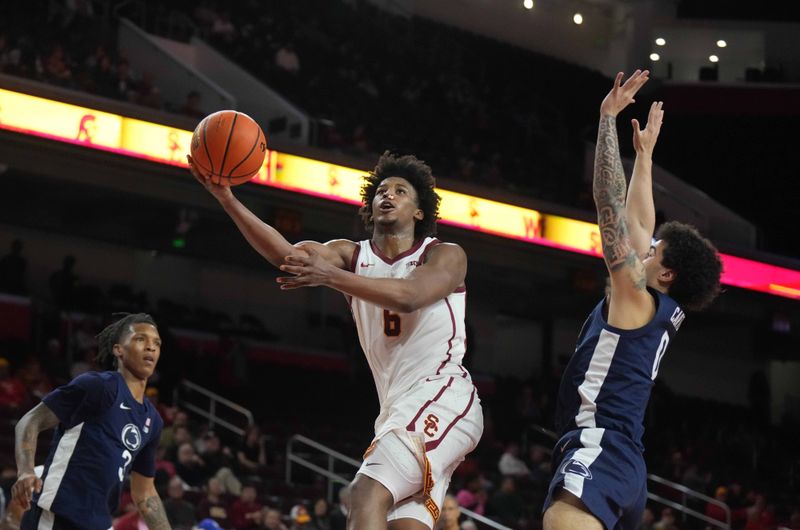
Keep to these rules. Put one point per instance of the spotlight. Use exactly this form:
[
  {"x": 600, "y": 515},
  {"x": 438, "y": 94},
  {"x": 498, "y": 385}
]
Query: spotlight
[
  {"x": 721, "y": 43},
  {"x": 528, "y": 4},
  {"x": 577, "y": 18},
  {"x": 713, "y": 58},
  {"x": 660, "y": 41},
  {"x": 654, "y": 57}
]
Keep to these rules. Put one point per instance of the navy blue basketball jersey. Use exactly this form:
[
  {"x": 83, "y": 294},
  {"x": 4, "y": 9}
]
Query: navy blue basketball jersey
[
  {"x": 103, "y": 434},
  {"x": 608, "y": 380}
]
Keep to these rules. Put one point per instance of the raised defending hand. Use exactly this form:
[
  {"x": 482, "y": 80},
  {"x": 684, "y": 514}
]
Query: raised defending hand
[
  {"x": 622, "y": 95},
  {"x": 308, "y": 268},
  {"x": 645, "y": 140},
  {"x": 23, "y": 488},
  {"x": 220, "y": 192}
]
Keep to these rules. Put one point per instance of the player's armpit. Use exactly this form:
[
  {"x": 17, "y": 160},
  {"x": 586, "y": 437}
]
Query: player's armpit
[
  {"x": 630, "y": 305},
  {"x": 442, "y": 273}
]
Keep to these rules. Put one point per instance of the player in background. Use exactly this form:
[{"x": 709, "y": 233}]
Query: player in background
[
  {"x": 105, "y": 429},
  {"x": 406, "y": 291},
  {"x": 600, "y": 479}
]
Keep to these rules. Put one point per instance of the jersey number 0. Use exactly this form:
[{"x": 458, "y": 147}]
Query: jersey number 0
[{"x": 391, "y": 323}]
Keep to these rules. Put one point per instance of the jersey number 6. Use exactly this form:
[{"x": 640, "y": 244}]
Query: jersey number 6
[{"x": 391, "y": 323}]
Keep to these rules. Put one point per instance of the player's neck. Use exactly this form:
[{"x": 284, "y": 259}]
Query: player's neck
[
  {"x": 392, "y": 244},
  {"x": 135, "y": 385}
]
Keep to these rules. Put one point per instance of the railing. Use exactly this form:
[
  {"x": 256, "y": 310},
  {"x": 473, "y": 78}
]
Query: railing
[
  {"x": 330, "y": 474},
  {"x": 685, "y": 493},
  {"x": 211, "y": 413}
]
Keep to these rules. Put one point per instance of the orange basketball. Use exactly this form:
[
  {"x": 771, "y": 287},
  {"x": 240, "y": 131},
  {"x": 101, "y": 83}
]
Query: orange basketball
[{"x": 229, "y": 147}]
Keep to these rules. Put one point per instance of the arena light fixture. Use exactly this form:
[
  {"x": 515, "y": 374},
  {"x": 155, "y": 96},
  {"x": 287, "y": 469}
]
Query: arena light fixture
[
  {"x": 713, "y": 58},
  {"x": 721, "y": 43},
  {"x": 660, "y": 41},
  {"x": 527, "y": 4},
  {"x": 577, "y": 18},
  {"x": 654, "y": 57}
]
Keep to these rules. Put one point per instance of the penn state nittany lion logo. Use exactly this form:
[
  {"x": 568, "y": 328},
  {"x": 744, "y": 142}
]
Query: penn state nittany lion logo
[
  {"x": 131, "y": 437},
  {"x": 576, "y": 468}
]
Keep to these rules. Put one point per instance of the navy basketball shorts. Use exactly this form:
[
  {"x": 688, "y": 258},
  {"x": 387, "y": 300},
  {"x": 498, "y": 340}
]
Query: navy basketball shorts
[
  {"x": 606, "y": 471},
  {"x": 39, "y": 519}
]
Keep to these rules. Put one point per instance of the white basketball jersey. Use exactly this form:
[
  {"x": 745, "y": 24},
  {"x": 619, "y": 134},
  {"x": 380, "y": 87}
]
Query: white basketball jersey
[{"x": 405, "y": 348}]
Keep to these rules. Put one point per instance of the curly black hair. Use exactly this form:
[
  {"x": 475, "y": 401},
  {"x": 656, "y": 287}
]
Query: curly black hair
[
  {"x": 418, "y": 174},
  {"x": 115, "y": 332},
  {"x": 696, "y": 264}
]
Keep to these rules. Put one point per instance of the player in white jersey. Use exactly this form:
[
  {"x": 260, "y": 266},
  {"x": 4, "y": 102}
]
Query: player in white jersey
[{"x": 406, "y": 291}]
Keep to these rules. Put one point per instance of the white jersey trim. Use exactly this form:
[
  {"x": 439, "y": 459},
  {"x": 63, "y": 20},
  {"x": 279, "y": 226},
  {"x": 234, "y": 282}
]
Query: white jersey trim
[
  {"x": 590, "y": 439},
  {"x": 58, "y": 467},
  {"x": 595, "y": 377}
]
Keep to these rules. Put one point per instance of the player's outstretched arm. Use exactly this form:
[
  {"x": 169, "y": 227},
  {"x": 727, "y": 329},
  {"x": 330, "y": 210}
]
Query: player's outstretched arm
[
  {"x": 26, "y": 433},
  {"x": 442, "y": 273},
  {"x": 629, "y": 298},
  {"x": 145, "y": 496},
  {"x": 262, "y": 237},
  {"x": 641, "y": 211}
]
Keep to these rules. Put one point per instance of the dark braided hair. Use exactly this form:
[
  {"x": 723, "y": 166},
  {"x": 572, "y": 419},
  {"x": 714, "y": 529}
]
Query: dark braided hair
[
  {"x": 418, "y": 174},
  {"x": 114, "y": 333}
]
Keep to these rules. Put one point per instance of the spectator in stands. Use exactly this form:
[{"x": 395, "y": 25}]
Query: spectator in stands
[
  {"x": 472, "y": 496},
  {"x": 667, "y": 521},
  {"x": 148, "y": 94},
  {"x": 126, "y": 87},
  {"x": 191, "y": 107},
  {"x": 214, "y": 455},
  {"x": 180, "y": 420},
  {"x": 320, "y": 518},
  {"x": 272, "y": 519},
  {"x": 214, "y": 504},
  {"x": 300, "y": 518},
  {"x": 539, "y": 461},
  {"x": 179, "y": 511},
  {"x": 286, "y": 59},
  {"x": 648, "y": 519},
  {"x": 511, "y": 464},
  {"x": 12, "y": 390},
  {"x": 56, "y": 66},
  {"x": 63, "y": 284},
  {"x": 339, "y": 512},
  {"x": 252, "y": 454},
  {"x": 102, "y": 78},
  {"x": 34, "y": 378},
  {"x": 190, "y": 467},
  {"x": 507, "y": 505},
  {"x": 13, "y": 265},
  {"x": 715, "y": 511},
  {"x": 245, "y": 512},
  {"x": 222, "y": 28}
]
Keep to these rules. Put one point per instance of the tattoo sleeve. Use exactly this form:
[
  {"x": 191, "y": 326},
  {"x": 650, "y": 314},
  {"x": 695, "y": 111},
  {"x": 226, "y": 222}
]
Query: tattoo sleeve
[
  {"x": 609, "y": 197},
  {"x": 152, "y": 512},
  {"x": 26, "y": 434}
]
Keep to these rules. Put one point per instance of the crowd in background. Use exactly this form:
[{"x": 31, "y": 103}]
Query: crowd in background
[{"x": 726, "y": 452}]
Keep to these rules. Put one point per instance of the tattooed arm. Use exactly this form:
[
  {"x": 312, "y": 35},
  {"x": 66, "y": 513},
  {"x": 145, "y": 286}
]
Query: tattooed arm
[
  {"x": 26, "y": 433},
  {"x": 630, "y": 306},
  {"x": 149, "y": 504}
]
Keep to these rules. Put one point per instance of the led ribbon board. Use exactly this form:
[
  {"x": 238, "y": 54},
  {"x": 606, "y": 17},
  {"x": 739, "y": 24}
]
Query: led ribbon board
[{"x": 130, "y": 137}]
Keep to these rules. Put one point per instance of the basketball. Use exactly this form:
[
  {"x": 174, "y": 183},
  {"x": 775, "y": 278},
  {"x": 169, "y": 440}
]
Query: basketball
[{"x": 228, "y": 146}]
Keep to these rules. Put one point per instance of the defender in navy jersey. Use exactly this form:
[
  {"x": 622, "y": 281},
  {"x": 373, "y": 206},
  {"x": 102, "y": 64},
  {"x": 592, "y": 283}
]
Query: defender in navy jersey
[
  {"x": 600, "y": 478},
  {"x": 105, "y": 429}
]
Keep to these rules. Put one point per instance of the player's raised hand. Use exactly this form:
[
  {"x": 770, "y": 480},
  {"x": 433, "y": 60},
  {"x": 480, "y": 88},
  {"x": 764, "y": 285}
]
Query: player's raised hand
[
  {"x": 23, "y": 489},
  {"x": 308, "y": 269},
  {"x": 622, "y": 94},
  {"x": 645, "y": 140},
  {"x": 219, "y": 191}
]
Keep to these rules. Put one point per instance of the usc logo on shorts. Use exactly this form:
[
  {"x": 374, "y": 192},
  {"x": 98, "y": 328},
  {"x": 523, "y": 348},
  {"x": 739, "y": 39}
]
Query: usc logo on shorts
[{"x": 431, "y": 425}]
